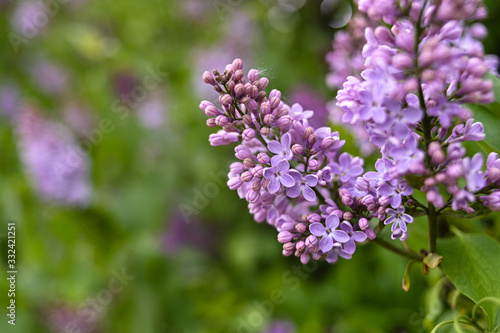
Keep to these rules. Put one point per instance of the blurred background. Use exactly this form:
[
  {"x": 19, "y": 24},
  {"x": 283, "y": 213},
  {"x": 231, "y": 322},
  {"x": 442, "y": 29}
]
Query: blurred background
[{"x": 123, "y": 219}]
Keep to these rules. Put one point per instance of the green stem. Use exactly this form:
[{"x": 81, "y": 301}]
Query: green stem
[
  {"x": 433, "y": 228},
  {"x": 398, "y": 250}
]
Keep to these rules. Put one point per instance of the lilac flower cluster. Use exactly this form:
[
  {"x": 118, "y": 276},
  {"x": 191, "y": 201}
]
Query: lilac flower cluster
[
  {"x": 292, "y": 175},
  {"x": 421, "y": 66}
]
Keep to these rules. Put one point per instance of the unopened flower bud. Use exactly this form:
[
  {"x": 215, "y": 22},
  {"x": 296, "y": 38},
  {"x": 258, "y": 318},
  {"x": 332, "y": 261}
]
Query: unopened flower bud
[
  {"x": 211, "y": 111},
  {"x": 348, "y": 216},
  {"x": 208, "y": 78},
  {"x": 239, "y": 89},
  {"x": 263, "y": 82},
  {"x": 311, "y": 241},
  {"x": 263, "y": 158},
  {"x": 225, "y": 99},
  {"x": 275, "y": 102},
  {"x": 327, "y": 142},
  {"x": 258, "y": 171},
  {"x": 238, "y": 75},
  {"x": 253, "y": 75},
  {"x": 281, "y": 113},
  {"x": 247, "y": 162},
  {"x": 264, "y": 131},
  {"x": 252, "y": 196},
  {"x": 247, "y": 119},
  {"x": 312, "y": 139},
  {"x": 313, "y": 164},
  {"x": 211, "y": 122},
  {"x": 234, "y": 183},
  {"x": 256, "y": 185},
  {"x": 265, "y": 108},
  {"x": 297, "y": 149},
  {"x": 300, "y": 246},
  {"x": 363, "y": 224},
  {"x": 300, "y": 227},
  {"x": 286, "y": 253},
  {"x": 285, "y": 237},
  {"x": 221, "y": 120},
  {"x": 313, "y": 217},
  {"x": 237, "y": 64},
  {"x": 249, "y": 134},
  {"x": 384, "y": 201},
  {"x": 370, "y": 233},
  {"x": 362, "y": 184},
  {"x": 289, "y": 246},
  {"x": 268, "y": 119},
  {"x": 308, "y": 131},
  {"x": 411, "y": 202}
]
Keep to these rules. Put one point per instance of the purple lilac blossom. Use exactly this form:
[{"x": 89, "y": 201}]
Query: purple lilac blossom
[{"x": 57, "y": 166}]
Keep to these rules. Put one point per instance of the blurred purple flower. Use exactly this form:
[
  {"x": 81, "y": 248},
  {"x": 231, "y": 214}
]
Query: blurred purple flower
[
  {"x": 57, "y": 166},
  {"x": 280, "y": 326},
  {"x": 28, "y": 17},
  {"x": 152, "y": 112},
  {"x": 10, "y": 100},
  {"x": 49, "y": 77},
  {"x": 182, "y": 234},
  {"x": 311, "y": 100}
]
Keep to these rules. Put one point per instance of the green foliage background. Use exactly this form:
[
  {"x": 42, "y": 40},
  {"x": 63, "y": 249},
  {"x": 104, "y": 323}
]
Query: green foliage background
[{"x": 142, "y": 176}]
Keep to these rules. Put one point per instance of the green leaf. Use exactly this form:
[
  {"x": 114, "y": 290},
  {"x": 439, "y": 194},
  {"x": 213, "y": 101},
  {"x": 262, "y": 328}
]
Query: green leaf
[
  {"x": 472, "y": 263},
  {"x": 490, "y": 122},
  {"x": 496, "y": 85}
]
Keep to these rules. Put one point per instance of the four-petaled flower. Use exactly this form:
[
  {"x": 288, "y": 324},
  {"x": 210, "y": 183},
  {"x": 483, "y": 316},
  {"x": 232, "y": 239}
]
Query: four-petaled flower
[
  {"x": 398, "y": 218},
  {"x": 278, "y": 173},
  {"x": 302, "y": 184},
  {"x": 329, "y": 233},
  {"x": 357, "y": 236},
  {"x": 281, "y": 149},
  {"x": 395, "y": 191},
  {"x": 336, "y": 252},
  {"x": 347, "y": 167}
]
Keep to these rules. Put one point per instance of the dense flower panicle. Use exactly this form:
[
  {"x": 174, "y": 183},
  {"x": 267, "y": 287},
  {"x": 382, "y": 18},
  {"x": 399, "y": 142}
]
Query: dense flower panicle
[
  {"x": 58, "y": 168},
  {"x": 422, "y": 65},
  {"x": 420, "y": 68},
  {"x": 286, "y": 167}
]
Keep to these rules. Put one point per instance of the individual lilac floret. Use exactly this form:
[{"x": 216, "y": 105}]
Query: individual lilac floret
[
  {"x": 281, "y": 149},
  {"x": 492, "y": 201},
  {"x": 404, "y": 120},
  {"x": 395, "y": 191},
  {"x": 347, "y": 167},
  {"x": 223, "y": 138},
  {"x": 398, "y": 218},
  {"x": 358, "y": 236},
  {"x": 302, "y": 184},
  {"x": 336, "y": 252},
  {"x": 297, "y": 112},
  {"x": 473, "y": 174},
  {"x": 278, "y": 173},
  {"x": 329, "y": 234}
]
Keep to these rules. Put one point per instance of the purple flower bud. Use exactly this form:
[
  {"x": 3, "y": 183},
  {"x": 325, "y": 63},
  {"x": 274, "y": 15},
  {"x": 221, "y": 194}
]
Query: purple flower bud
[
  {"x": 300, "y": 246},
  {"x": 435, "y": 198},
  {"x": 304, "y": 258},
  {"x": 384, "y": 201},
  {"x": 300, "y": 227},
  {"x": 256, "y": 185},
  {"x": 287, "y": 253},
  {"x": 264, "y": 131},
  {"x": 402, "y": 61},
  {"x": 440, "y": 177},
  {"x": 268, "y": 119},
  {"x": 493, "y": 175},
  {"x": 239, "y": 89},
  {"x": 289, "y": 246},
  {"x": 238, "y": 75},
  {"x": 492, "y": 201},
  {"x": 263, "y": 82},
  {"x": 311, "y": 139},
  {"x": 362, "y": 184},
  {"x": 274, "y": 102},
  {"x": 208, "y": 78},
  {"x": 248, "y": 134},
  {"x": 265, "y": 108},
  {"x": 221, "y": 120},
  {"x": 247, "y": 119},
  {"x": 311, "y": 242},
  {"x": 205, "y": 104},
  {"x": 230, "y": 85},
  {"x": 328, "y": 142},
  {"x": 212, "y": 111},
  {"x": 253, "y": 196},
  {"x": 248, "y": 163},
  {"x": 234, "y": 183},
  {"x": 246, "y": 176},
  {"x": 282, "y": 112},
  {"x": 313, "y": 164},
  {"x": 253, "y": 75},
  {"x": 226, "y": 99},
  {"x": 297, "y": 149},
  {"x": 313, "y": 217},
  {"x": 363, "y": 224},
  {"x": 285, "y": 237},
  {"x": 211, "y": 122},
  {"x": 348, "y": 216},
  {"x": 237, "y": 64},
  {"x": 258, "y": 171},
  {"x": 308, "y": 132},
  {"x": 285, "y": 121},
  {"x": 370, "y": 233},
  {"x": 263, "y": 158}
]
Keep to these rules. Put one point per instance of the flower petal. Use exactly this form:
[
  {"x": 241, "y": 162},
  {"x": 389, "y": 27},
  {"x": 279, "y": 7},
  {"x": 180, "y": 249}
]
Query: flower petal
[
  {"x": 341, "y": 236},
  {"x": 293, "y": 191},
  {"x": 326, "y": 244},
  {"x": 286, "y": 140},
  {"x": 332, "y": 222},
  {"x": 350, "y": 246},
  {"x": 287, "y": 180},
  {"x": 275, "y": 147},
  {"x": 282, "y": 166},
  {"x": 317, "y": 229},
  {"x": 273, "y": 186},
  {"x": 309, "y": 194},
  {"x": 359, "y": 236}
]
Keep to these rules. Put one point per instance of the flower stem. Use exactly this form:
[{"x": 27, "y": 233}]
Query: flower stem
[
  {"x": 398, "y": 250},
  {"x": 433, "y": 228}
]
